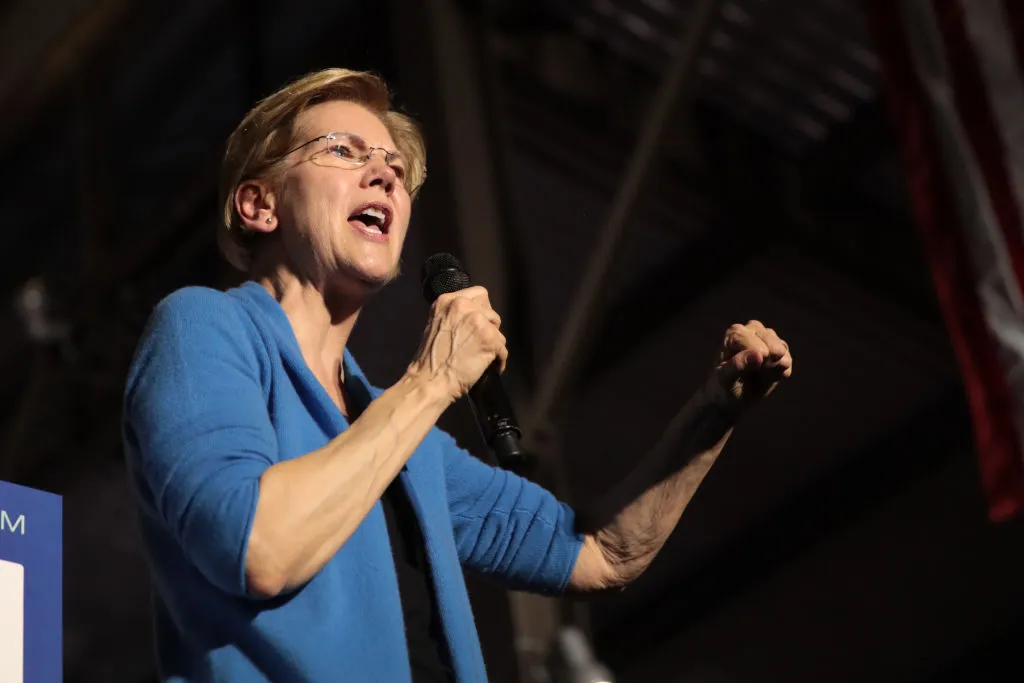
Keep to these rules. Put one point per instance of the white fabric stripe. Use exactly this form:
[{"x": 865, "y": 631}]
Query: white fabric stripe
[
  {"x": 996, "y": 285},
  {"x": 988, "y": 28}
]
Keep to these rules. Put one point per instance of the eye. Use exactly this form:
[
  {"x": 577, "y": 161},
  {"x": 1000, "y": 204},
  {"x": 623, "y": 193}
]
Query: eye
[
  {"x": 342, "y": 152},
  {"x": 399, "y": 171}
]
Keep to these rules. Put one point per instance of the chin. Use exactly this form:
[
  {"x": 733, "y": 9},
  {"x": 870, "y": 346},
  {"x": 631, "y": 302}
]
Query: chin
[{"x": 370, "y": 281}]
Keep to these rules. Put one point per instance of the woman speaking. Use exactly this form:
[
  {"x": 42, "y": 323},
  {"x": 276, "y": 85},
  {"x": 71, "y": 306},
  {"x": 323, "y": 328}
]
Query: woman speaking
[{"x": 303, "y": 525}]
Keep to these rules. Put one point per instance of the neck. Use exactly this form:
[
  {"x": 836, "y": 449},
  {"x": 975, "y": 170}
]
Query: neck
[{"x": 321, "y": 320}]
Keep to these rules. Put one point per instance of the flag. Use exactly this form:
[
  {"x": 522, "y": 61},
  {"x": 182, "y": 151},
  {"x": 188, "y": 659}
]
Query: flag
[{"x": 953, "y": 78}]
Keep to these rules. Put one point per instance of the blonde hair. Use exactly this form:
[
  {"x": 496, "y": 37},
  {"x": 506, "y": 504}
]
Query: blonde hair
[{"x": 266, "y": 134}]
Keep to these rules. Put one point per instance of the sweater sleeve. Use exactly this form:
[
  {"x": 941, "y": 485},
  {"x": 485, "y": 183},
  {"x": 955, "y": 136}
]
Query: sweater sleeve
[
  {"x": 506, "y": 526},
  {"x": 197, "y": 431}
]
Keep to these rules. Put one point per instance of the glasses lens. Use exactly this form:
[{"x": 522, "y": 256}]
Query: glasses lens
[{"x": 346, "y": 150}]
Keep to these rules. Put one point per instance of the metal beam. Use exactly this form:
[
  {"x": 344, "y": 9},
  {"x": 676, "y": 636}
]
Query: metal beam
[
  {"x": 462, "y": 209},
  {"x": 471, "y": 157},
  {"x": 745, "y": 198},
  {"x": 515, "y": 309},
  {"x": 584, "y": 309},
  {"x": 469, "y": 152},
  {"x": 539, "y": 621},
  {"x": 652, "y": 303},
  {"x": 747, "y": 205}
]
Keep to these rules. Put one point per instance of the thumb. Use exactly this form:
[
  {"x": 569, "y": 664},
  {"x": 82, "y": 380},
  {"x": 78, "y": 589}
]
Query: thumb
[
  {"x": 748, "y": 359},
  {"x": 730, "y": 370}
]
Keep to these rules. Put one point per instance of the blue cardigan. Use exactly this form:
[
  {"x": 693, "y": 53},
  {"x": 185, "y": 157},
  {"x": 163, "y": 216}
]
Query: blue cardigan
[{"x": 217, "y": 393}]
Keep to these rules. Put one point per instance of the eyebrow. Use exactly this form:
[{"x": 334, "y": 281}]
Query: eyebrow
[{"x": 359, "y": 141}]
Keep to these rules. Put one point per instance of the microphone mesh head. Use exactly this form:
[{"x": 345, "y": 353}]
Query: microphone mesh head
[{"x": 442, "y": 274}]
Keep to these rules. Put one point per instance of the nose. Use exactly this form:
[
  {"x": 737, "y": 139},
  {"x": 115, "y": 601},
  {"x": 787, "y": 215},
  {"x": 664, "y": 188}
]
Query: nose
[{"x": 378, "y": 174}]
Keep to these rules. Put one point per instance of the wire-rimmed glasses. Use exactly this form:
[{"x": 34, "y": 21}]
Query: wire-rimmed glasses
[{"x": 351, "y": 151}]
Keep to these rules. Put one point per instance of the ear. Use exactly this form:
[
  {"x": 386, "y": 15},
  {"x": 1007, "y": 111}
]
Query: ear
[{"x": 255, "y": 203}]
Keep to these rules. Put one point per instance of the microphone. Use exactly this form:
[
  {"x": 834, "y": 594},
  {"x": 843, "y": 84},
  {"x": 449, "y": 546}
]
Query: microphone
[{"x": 443, "y": 274}]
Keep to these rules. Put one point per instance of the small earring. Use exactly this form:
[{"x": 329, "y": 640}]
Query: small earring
[{"x": 270, "y": 219}]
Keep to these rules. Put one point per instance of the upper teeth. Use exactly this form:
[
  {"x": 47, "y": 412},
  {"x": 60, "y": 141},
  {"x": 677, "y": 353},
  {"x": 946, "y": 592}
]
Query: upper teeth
[{"x": 374, "y": 212}]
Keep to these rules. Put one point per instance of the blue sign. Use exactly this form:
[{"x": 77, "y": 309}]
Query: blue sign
[{"x": 31, "y": 586}]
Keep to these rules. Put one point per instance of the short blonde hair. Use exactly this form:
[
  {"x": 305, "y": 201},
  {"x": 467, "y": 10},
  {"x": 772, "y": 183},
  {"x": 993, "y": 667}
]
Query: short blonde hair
[{"x": 266, "y": 134}]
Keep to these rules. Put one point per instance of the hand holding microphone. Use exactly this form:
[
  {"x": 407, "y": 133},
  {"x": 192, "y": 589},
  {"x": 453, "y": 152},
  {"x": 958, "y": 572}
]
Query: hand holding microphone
[
  {"x": 464, "y": 347},
  {"x": 461, "y": 341}
]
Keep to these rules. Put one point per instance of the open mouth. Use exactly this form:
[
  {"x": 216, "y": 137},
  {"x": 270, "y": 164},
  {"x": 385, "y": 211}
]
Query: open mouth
[{"x": 372, "y": 218}]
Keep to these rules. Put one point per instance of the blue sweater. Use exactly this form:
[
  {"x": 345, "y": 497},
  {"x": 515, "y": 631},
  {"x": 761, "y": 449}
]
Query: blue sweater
[{"x": 217, "y": 393}]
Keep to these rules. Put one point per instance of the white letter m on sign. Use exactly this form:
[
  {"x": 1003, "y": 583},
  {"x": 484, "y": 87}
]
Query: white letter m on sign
[{"x": 6, "y": 525}]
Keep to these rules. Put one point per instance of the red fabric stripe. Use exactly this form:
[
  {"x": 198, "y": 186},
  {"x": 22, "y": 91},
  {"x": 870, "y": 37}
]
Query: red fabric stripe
[
  {"x": 972, "y": 101},
  {"x": 984, "y": 380}
]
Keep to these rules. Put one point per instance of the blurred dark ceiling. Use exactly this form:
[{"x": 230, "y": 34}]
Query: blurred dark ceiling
[{"x": 843, "y": 538}]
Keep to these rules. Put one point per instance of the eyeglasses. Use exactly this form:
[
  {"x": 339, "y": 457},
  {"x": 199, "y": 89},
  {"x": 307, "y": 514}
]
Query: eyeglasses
[{"x": 351, "y": 151}]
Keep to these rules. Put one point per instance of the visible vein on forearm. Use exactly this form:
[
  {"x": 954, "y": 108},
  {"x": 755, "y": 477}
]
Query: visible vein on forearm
[{"x": 633, "y": 522}]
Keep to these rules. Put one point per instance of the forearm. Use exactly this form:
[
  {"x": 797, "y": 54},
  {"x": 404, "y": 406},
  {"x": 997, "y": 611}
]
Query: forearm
[
  {"x": 628, "y": 528},
  {"x": 308, "y": 507}
]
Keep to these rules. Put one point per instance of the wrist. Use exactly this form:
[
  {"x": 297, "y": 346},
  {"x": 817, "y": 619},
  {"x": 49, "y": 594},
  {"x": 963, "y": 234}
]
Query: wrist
[
  {"x": 718, "y": 397},
  {"x": 432, "y": 388}
]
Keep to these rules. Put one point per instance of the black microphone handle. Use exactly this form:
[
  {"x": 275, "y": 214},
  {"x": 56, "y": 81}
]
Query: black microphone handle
[
  {"x": 442, "y": 273},
  {"x": 494, "y": 416}
]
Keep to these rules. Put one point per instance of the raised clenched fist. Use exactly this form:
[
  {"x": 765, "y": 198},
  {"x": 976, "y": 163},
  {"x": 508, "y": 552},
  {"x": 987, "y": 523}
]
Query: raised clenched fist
[{"x": 752, "y": 361}]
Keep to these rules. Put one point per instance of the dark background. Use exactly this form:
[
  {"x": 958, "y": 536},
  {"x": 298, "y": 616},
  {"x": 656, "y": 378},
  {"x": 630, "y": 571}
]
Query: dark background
[{"x": 843, "y": 535}]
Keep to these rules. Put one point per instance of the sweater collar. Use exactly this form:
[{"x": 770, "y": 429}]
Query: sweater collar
[{"x": 255, "y": 294}]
